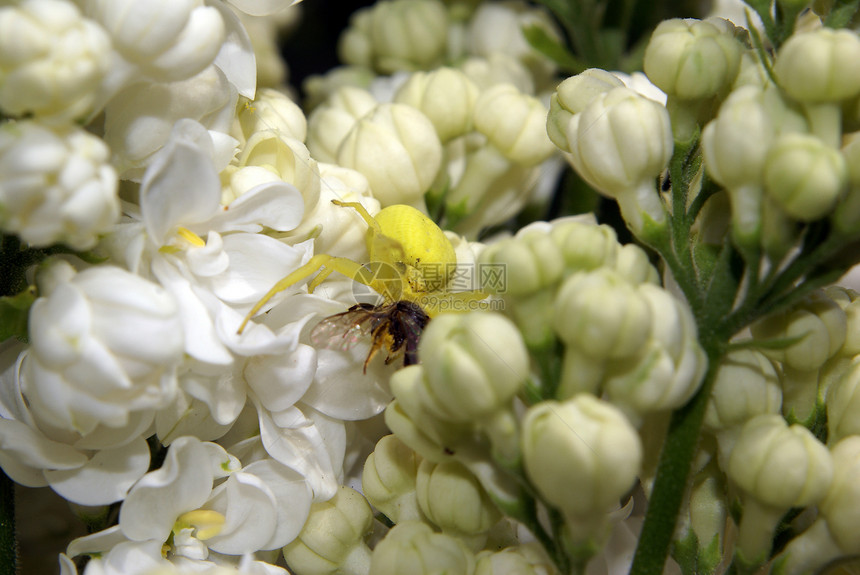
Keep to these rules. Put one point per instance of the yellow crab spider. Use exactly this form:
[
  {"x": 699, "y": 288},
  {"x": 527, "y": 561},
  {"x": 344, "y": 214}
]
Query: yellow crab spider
[{"x": 411, "y": 260}]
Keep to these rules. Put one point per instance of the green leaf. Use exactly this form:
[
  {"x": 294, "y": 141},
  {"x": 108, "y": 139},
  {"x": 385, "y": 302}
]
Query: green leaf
[
  {"x": 685, "y": 551},
  {"x": 541, "y": 41},
  {"x": 842, "y": 14},
  {"x": 14, "y": 311}
]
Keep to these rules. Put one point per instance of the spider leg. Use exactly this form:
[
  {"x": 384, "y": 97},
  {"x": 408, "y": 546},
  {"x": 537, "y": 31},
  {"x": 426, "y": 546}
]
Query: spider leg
[{"x": 371, "y": 223}]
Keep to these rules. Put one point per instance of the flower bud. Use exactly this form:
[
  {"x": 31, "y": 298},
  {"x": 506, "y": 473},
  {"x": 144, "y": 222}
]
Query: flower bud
[
  {"x": 619, "y": 144},
  {"x": 746, "y": 385},
  {"x": 780, "y": 465},
  {"x": 165, "y": 45},
  {"x": 572, "y": 96},
  {"x": 843, "y": 405},
  {"x": 693, "y": 59},
  {"x": 817, "y": 322},
  {"x": 581, "y": 455},
  {"x": 820, "y": 66},
  {"x": 668, "y": 369},
  {"x": 388, "y": 479},
  {"x": 634, "y": 266},
  {"x": 619, "y": 140},
  {"x": 777, "y": 467},
  {"x": 497, "y": 28},
  {"x": 52, "y": 60},
  {"x": 585, "y": 246},
  {"x": 56, "y": 186},
  {"x": 473, "y": 365},
  {"x": 272, "y": 110},
  {"x": 524, "y": 559},
  {"x": 333, "y": 538},
  {"x": 530, "y": 262},
  {"x": 397, "y": 149},
  {"x": 602, "y": 315},
  {"x": 330, "y": 122},
  {"x": 414, "y": 548},
  {"x": 453, "y": 499},
  {"x": 841, "y": 506},
  {"x": 287, "y": 157},
  {"x": 804, "y": 176},
  {"x": 446, "y": 96},
  {"x": 515, "y": 123},
  {"x": 498, "y": 68},
  {"x": 398, "y": 35}
]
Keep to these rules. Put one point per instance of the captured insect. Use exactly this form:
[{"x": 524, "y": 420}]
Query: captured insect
[
  {"x": 411, "y": 263},
  {"x": 395, "y": 326}
]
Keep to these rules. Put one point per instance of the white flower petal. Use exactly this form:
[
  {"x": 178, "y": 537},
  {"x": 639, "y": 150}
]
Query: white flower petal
[
  {"x": 340, "y": 390},
  {"x": 277, "y": 205},
  {"x": 103, "y": 437},
  {"x": 32, "y": 449},
  {"x": 262, "y": 7},
  {"x": 99, "y": 542},
  {"x": 281, "y": 380},
  {"x": 293, "y": 497},
  {"x": 182, "y": 484},
  {"x": 298, "y": 443},
  {"x": 105, "y": 478},
  {"x": 236, "y": 57},
  {"x": 180, "y": 187},
  {"x": 249, "y": 507}
]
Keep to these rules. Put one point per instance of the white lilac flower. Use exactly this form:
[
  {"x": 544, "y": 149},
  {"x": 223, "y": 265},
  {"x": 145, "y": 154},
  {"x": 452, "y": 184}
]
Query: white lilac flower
[
  {"x": 52, "y": 60},
  {"x": 56, "y": 185},
  {"x": 203, "y": 500},
  {"x": 140, "y": 119}
]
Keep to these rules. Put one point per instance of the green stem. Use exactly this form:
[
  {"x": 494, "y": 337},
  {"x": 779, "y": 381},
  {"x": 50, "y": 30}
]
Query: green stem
[
  {"x": 673, "y": 472},
  {"x": 8, "y": 541}
]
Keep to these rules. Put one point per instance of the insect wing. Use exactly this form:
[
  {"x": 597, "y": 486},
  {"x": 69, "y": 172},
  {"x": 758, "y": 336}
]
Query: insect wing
[{"x": 343, "y": 330}]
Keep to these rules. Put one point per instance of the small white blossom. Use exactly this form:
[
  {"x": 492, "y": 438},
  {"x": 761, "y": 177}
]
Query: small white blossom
[
  {"x": 52, "y": 60},
  {"x": 56, "y": 185}
]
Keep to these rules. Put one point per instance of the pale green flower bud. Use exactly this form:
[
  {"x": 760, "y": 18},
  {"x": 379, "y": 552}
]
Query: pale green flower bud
[
  {"x": 620, "y": 140},
  {"x": 602, "y": 315},
  {"x": 746, "y": 385},
  {"x": 52, "y": 60},
  {"x": 496, "y": 28},
  {"x": 846, "y": 216},
  {"x": 669, "y": 368},
  {"x": 572, "y": 96},
  {"x": 414, "y": 548},
  {"x": 778, "y": 467},
  {"x": 843, "y": 405},
  {"x": 354, "y": 46},
  {"x": 848, "y": 300},
  {"x": 619, "y": 144},
  {"x": 398, "y": 35},
  {"x": 693, "y": 59},
  {"x": 820, "y": 66},
  {"x": 841, "y": 506},
  {"x": 331, "y": 121},
  {"x": 581, "y": 455},
  {"x": 498, "y": 68},
  {"x": 318, "y": 88},
  {"x": 819, "y": 324},
  {"x": 388, "y": 479},
  {"x": 633, "y": 265},
  {"x": 524, "y": 559},
  {"x": 515, "y": 123},
  {"x": 586, "y": 246},
  {"x": 272, "y": 110},
  {"x": 397, "y": 149},
  {"x": 804, "y": 176},
  {"x": 406, "y": 418},
  {"x": 446, "y": 96},
  {"x": 453, "y": 499},
  {"x": 473, "y": 365},
  {"x": 287, "y": 157},
  {"x": 333, "y": 538},
  {"x": 531, "y": 261}
]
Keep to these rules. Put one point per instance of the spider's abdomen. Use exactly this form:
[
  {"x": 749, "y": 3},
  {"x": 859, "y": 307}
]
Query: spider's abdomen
[{"x": 425, "y": 246}]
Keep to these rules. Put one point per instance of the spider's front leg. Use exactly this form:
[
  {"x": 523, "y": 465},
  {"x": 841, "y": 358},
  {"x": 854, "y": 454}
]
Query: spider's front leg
[{"x": 328, "y": 263}]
